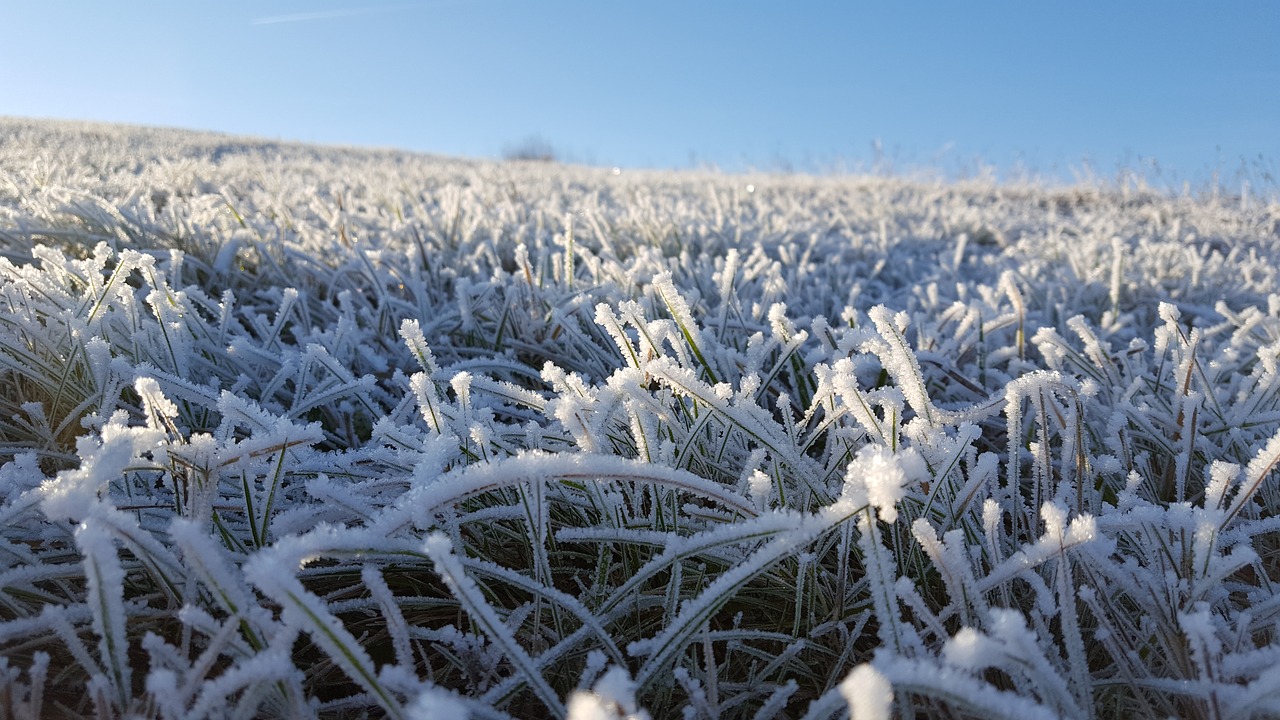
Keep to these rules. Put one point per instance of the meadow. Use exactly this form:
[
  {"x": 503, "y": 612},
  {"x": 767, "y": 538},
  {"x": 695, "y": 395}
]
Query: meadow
[{"x": 296, "y": 431}]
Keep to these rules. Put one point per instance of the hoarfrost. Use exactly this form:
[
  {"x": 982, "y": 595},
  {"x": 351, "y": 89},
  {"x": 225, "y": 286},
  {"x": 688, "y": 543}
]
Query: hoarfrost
[
  {"x": 869, "y": 693},
  {"x": 300, "y": 432}
]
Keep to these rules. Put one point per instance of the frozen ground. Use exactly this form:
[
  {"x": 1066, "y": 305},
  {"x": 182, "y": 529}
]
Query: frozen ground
[{"x": 292, "y": 431}]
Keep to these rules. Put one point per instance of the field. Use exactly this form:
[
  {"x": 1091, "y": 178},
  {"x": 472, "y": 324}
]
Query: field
[{"x": 293, "y": 431}]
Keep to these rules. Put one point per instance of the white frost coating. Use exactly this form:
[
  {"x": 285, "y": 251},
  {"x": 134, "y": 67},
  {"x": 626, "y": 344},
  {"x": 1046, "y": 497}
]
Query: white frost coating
[
  {"x": 694, "y": 613},
  {"x": 1169, "y": 313},
  {"x": 1055, "y": 520},
  {"x": 73, "y": 493},
  {"x": 1082, "y": 530},
  {"x": 868, "y": 692},
  {"x": 154, "y": 403},
  {"x": 753, "y": 419},
  {"x": 1202, "y": 637},
  {"x": 411, "y": 332},
  {"x": 422, "y": 501},
  {"x": 687, "y": 436},
  {"x": 879, "y": 477},
  {"x": 666, "y": 290},
  {"x": 274, "y": 572},
  {"x": 264, "y": 669},
  {"x": 1093, "y": 347},
  {"x": 960, "y": 689},
  {"x": 428, "y": 401},
  {"x": 612, "y": 325},
  {"x": 461, "y": 384},
  {"x": 440, "y": 549},
  {"x": 779, "y": 322},
  {"x": 202, "y": 555},
  {"x": 19, "y": 476},
  {"x": 991, "y": 516},
  {"x": 611, "y": 698},
  {"x": 104, "y": 575},
  {"x": 970, "y": 650},
  {"x": 760, "y": 485},
  {"x": 900, "y": 361},
  {"x": 396, "y": 625},
  {"x": 590, "y": 706},
  {"x": 437, "y": 704},
  {"x": 1221, "y": 476},
  {"x": 754, "y": 529},
  {"x": 845, "y": 382},
  {"x": 1259, "y": 469}
]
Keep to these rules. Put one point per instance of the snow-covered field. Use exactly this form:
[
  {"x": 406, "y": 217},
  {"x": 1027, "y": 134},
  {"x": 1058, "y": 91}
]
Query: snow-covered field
[{"x": 292, "y": 431}]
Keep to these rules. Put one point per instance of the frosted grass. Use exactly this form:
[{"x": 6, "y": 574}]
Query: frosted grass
[{"x": 316, "y": 432}]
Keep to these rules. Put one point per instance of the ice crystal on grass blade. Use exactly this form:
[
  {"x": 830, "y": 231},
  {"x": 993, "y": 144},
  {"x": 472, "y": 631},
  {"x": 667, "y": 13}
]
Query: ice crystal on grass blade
[
  {"x": 298, "y": 432},
  {"x": 869, "y": 694},
  {"x": 611, "y": 698},
  {"x": 879, "y": 477}
]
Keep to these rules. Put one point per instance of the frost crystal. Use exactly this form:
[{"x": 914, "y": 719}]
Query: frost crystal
[
  {"x": 869, "y": 694},
  {"x": 879, "y": 477}
]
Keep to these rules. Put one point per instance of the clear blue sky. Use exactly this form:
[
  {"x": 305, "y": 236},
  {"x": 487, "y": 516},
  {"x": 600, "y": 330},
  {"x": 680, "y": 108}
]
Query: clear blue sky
[{"x": 1194, "y": 86}]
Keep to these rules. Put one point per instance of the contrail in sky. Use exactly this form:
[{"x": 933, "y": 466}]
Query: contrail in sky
[{"x": 326, "y": 14}]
